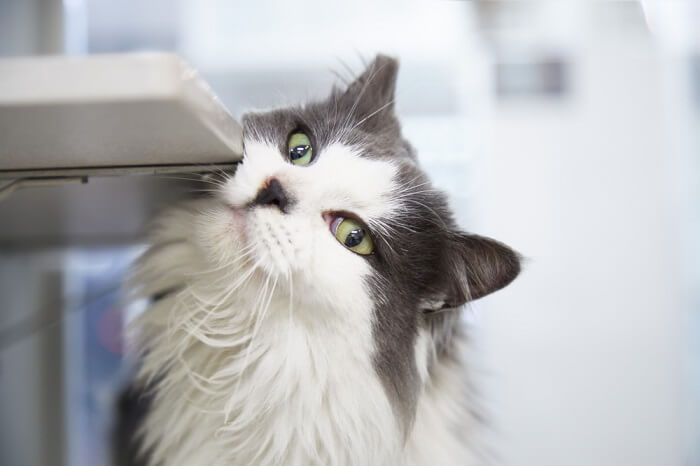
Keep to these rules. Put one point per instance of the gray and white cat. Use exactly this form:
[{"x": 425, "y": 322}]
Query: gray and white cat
[{"x": 311, "y": 306}]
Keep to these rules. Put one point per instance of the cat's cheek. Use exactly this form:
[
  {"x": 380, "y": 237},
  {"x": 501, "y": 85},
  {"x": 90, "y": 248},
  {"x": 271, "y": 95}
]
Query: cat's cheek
[
  {"x": 219, "y": 233},
  {"x": 238, "y": 222},
  {"x": 337, "y": 275}
]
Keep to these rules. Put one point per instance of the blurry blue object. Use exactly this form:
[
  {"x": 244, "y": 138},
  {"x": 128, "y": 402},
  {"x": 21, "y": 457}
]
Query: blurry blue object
[{"x": 94, "y": 350}]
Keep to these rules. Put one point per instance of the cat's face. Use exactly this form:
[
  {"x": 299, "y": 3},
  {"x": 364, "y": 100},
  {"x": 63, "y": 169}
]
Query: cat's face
[{"x": 330, "y": 202}]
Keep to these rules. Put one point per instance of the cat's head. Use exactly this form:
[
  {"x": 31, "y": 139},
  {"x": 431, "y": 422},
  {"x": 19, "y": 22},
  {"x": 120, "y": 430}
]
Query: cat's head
[{"x": 330, "y": 201}]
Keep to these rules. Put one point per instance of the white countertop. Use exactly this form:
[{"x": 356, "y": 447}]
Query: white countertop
[{"x": 133, "y": 113}]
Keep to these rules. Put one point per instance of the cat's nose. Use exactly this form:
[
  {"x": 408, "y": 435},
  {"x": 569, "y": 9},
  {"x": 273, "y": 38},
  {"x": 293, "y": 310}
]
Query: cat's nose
[{"x": 272, "y": 193}]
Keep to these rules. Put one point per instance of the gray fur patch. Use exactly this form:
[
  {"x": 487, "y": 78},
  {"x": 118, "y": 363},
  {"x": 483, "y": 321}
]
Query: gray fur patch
[{"x": 420, "y": 255}]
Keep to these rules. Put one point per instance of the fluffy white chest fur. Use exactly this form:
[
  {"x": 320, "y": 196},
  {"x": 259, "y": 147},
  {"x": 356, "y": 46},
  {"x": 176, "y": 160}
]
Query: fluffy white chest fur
[{"x": 293, "y": 391}]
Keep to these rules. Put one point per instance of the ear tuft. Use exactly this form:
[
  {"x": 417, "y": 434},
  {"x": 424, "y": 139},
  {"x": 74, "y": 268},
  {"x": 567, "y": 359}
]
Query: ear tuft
[
  {"x": 373, "y": 91},
  {"x": 379, "y": 78}
]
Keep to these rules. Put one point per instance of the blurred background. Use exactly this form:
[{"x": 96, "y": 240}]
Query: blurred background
[{"x": 567, "y": 129}]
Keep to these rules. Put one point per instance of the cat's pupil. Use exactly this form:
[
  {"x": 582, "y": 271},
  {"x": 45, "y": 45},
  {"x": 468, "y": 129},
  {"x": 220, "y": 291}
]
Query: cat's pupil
[
  {"x": 354, "y": 238},
  {"x": 298, "y": 152}
]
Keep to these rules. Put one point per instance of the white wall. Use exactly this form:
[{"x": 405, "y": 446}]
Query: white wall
[{"x": 586, "y": 352}]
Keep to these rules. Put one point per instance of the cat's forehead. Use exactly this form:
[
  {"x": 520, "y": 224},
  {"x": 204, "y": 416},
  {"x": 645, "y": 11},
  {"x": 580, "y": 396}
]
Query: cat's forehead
[
  {"x": 275, "y": 125},
  {"x": 328, "y": 122}
]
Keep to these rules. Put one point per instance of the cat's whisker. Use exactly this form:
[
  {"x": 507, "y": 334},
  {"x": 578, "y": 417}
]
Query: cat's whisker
[
  {"x": 216, "y": 343},
  {"x": 229, "y": 405},
  {"x": 413, "y": 190},
  {"x": 397, "y": 224},
  {"x": 205, "y": 171},
  {"x": 244, "y": 254},
  {"x": 194, "y": 178},
  {"x": 232, "y": 271},
  {"x": 347, "y": 68},
  {"x": 348, "y": 129},
  {"x": 225, "y": 175},
  {"x": 372, "y": 114},
  {"x": 374, "y": 224},
  {"x": 201, "y": 306},
  {"x": 351, "y": 112},
  {"x": 229, "y": 266},
  {"x": 227, "y": 291},
  {"x": 436, "y": 220},
  {"x": 290, "y": 283}
]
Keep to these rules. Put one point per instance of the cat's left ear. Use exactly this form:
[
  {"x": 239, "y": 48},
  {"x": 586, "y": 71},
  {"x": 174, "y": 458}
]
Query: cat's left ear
[
  {"x": 474, "y": 266},
  {"x": 372, "y": 93}
]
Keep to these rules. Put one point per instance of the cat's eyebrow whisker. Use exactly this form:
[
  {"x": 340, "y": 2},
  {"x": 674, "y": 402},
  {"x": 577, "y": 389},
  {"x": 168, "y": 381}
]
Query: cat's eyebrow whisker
[
  {"x": 413, "y": 210},
  {"x": 396, "y": 225},
  {"x": 381, "y": 226},
  {"x": 416, "y": 190},
  {"x": 336, "y": 119},
  {"x": 408, "y": 195},
  {"x": 347, "y": 68},
  {"x": 365, "y": 86},
  {"x": 416, "y": 177},
  {"x": 411, "y": 188},
  {"x": 372, "y": 114},
  {"x": 350, "y": 114}
]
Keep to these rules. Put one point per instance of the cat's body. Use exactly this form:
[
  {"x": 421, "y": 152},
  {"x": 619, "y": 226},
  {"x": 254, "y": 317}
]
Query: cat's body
[
  {"x": 313, "y": 391},
  {"x": 282, "y": 340}
]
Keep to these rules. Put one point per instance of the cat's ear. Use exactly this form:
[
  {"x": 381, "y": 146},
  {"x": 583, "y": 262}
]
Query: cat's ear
[
  {"x": 474, "y": 266},
  {"x": 372, "y": 93}
]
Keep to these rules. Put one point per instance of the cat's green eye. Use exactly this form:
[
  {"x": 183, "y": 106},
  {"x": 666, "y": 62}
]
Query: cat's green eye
[
  {"x": 300, "y": 150},
  {"x": 353, "y": 235}
]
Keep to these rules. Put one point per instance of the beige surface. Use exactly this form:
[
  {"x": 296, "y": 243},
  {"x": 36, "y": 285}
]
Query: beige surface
[
  {"x": 110, "y": 111},
  {"x": 105, "y": 210}
]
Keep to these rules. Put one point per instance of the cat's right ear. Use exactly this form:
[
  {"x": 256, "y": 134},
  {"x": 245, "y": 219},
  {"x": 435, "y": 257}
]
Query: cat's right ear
[
  {"x": 372, "y": 93},
  {"x": 474, "y": 266}
]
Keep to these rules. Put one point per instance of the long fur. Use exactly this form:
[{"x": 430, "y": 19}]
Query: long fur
[{"x": 273, "y": 344}]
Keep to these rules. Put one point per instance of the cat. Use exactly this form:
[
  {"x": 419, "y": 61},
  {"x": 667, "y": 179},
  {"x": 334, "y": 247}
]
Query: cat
[{"x": 310, "y": 308}]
